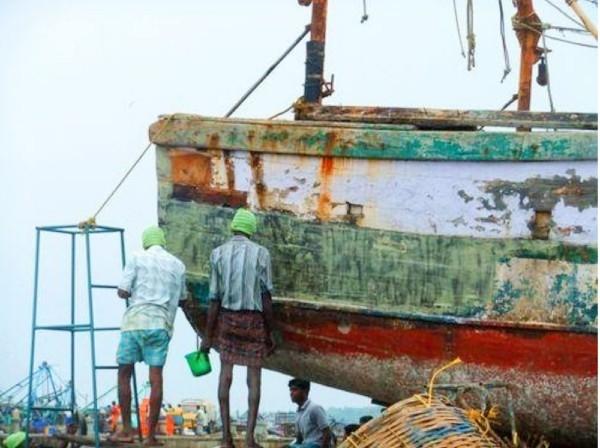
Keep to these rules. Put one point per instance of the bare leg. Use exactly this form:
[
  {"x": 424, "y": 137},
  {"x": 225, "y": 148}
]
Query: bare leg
[
  {"x": 224, "y": 385},
  {"x": 253, "y": 381},
  {"x": 124, "y": 376},
  {"x": 156, "y": 394}
]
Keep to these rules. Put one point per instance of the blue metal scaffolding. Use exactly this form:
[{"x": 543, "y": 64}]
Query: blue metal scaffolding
[{"x": 73, "y": 232}]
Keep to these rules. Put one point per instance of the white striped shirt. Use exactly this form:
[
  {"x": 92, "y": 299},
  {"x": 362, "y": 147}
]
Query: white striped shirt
[
  {"x": 240, "y": 273},
  {"x": 156, "y": 281}
]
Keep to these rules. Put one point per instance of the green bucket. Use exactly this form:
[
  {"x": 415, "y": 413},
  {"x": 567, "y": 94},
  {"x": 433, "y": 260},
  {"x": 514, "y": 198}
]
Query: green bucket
[
  {"x": 15, "y": 440},
  {"x": 198, "y": 362}
]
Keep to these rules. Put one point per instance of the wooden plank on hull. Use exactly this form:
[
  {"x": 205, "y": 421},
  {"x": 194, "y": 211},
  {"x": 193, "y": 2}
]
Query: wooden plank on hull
[
  {"x": 447, "y": 118},
  {"x": 369, "y": 141}
]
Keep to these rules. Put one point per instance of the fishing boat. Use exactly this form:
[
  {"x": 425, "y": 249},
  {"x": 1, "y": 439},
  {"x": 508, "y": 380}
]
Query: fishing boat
[{"x": 404, "y": 238}]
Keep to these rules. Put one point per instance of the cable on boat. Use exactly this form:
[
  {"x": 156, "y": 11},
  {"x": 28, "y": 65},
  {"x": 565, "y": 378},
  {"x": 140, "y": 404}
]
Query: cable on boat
[
  {"x": 547, "y": 73},
  {"x": 568, "y": 16},
  {"x": 268, "y": 72},
  {"x": 545, "y": 26},
  {"x": 91, "y": 222},
  {"x": 282, "y": 112},
  {"x": 507, "y": 68},
  {"x": 462, "y": 48},
  {"x": 365, "y": 16},
  {"x": 470, "y": 36}
]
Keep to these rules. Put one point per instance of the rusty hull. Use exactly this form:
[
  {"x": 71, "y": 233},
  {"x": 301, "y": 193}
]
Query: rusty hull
[
  {"x": 388, "y": 357},
  {"x": 399, "y": 249}
]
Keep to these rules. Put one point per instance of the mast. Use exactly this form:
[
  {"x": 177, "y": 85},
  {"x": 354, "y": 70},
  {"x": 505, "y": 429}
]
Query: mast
[
  {"x": 315, "y": 51},
  {"x": 528, "y": 29}
]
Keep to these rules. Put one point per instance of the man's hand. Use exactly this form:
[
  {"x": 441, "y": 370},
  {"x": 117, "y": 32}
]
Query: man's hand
[
  {"x": 206, "y": 345},
  {"x": 271, "y": 344},
  {"x": 123, "y": 294}
]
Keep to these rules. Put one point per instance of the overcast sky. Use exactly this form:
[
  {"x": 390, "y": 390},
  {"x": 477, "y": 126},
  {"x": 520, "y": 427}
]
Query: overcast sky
[{"x": 81, "y": 81}]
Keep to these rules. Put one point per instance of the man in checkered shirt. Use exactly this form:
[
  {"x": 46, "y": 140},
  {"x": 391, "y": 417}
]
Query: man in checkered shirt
[{"x": 154, "y": 283}]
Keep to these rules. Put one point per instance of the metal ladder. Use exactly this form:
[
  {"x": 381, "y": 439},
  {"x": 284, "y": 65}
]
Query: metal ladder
[{"x": 74, "y": 231}]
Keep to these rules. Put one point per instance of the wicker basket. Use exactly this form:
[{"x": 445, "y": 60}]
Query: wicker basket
[{"x": 422, "y": 421}]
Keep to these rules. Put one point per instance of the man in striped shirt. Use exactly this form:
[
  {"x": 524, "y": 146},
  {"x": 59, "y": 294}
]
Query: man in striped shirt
[{"x": 241, "y": 313}]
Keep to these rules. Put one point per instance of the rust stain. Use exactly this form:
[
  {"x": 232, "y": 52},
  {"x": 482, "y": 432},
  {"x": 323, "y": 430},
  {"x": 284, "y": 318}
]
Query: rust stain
[
  {"x": 214, "y": 141},
  {"x": 210, "y": 196},
  {"x": 323, "y": 210},
  {"x": 190, "y": 168},
  {"x": 330, "y": 143},
  {"x": 324, "y": 201},
  {"x": 256, "y": 167},
  {"x": 230, "y": 171},
  {"x": 251, "y": 138}
]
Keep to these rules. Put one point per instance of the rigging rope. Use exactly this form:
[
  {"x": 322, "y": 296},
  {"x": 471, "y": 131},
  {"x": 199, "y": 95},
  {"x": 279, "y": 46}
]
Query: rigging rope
[
  {"x": 547, "y": 73},
  {"x": 504, "y": 47},
  {"x": 268, "y": 72},
  {"x": 514, "y": 98},
  {"x": 462, "y": 48},
  {"x": 572, "y": 42},
  {"x": 91, "y": 222},
  {"x": 365, "y": 16},
  {"x": 546, "y": 26},
  {"x": 562, "y": 29},
  {"x": 470, "y": 36},
  {"x": 282, "y": 112},
  {"x": 558, "y": 8}
]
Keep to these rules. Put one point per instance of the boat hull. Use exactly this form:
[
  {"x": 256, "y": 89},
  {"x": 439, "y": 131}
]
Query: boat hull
[
  {"x": 552, "y": 372},
  {"x": 400, "y": 249}
]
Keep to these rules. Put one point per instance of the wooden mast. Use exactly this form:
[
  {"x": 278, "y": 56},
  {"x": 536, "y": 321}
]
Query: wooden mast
[{"x": 528, "y": 28}]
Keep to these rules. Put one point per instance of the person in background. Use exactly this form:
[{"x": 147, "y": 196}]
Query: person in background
[
  {"x": 115, "y": 414},
  {"x": 154, "y": 282},
  {"x": 364, "y": 419},
  {"x": 312, "y": 428},
  {"x": 201, "y": 420},
  {"x": 241, "y": 310},
  {"x": 15, "y": 416}
]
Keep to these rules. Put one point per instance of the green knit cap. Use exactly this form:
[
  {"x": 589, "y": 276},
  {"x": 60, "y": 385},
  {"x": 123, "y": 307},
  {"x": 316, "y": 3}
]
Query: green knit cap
[
  {"x": 244, "y": 221},
  {"x": 153, "y": 236}
]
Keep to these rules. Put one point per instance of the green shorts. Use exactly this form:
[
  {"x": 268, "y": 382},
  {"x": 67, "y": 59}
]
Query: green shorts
[{"x": 150, "y": 346}]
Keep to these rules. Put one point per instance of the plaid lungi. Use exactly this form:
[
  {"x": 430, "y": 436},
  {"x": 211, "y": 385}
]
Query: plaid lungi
[{"x": 241, "y": 337}]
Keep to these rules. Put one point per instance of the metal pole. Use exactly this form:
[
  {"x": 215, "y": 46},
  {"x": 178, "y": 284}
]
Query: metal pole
[
  {"x": 33, "y": 328},
  {"x": 315, "y": 53},
  {"x": 51, "y": 381},
  {"x": 72, "y": 323},
  {"x": 135, "y": 391},
  {"x": 92, "y": 337}
]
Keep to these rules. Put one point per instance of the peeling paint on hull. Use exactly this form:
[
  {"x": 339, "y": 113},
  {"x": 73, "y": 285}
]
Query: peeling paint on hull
[{"x": 398, "y": 250}]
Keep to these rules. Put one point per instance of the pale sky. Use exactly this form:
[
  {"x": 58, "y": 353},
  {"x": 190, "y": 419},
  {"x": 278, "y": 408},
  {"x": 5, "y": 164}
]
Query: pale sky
[{"x": 81, "y": 81}]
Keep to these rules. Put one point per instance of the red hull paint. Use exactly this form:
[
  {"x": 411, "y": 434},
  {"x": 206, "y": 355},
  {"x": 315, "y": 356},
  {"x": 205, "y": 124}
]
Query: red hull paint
[
  {"x": 553, "y": 371},
  {"x": 556, "y": 352}
]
